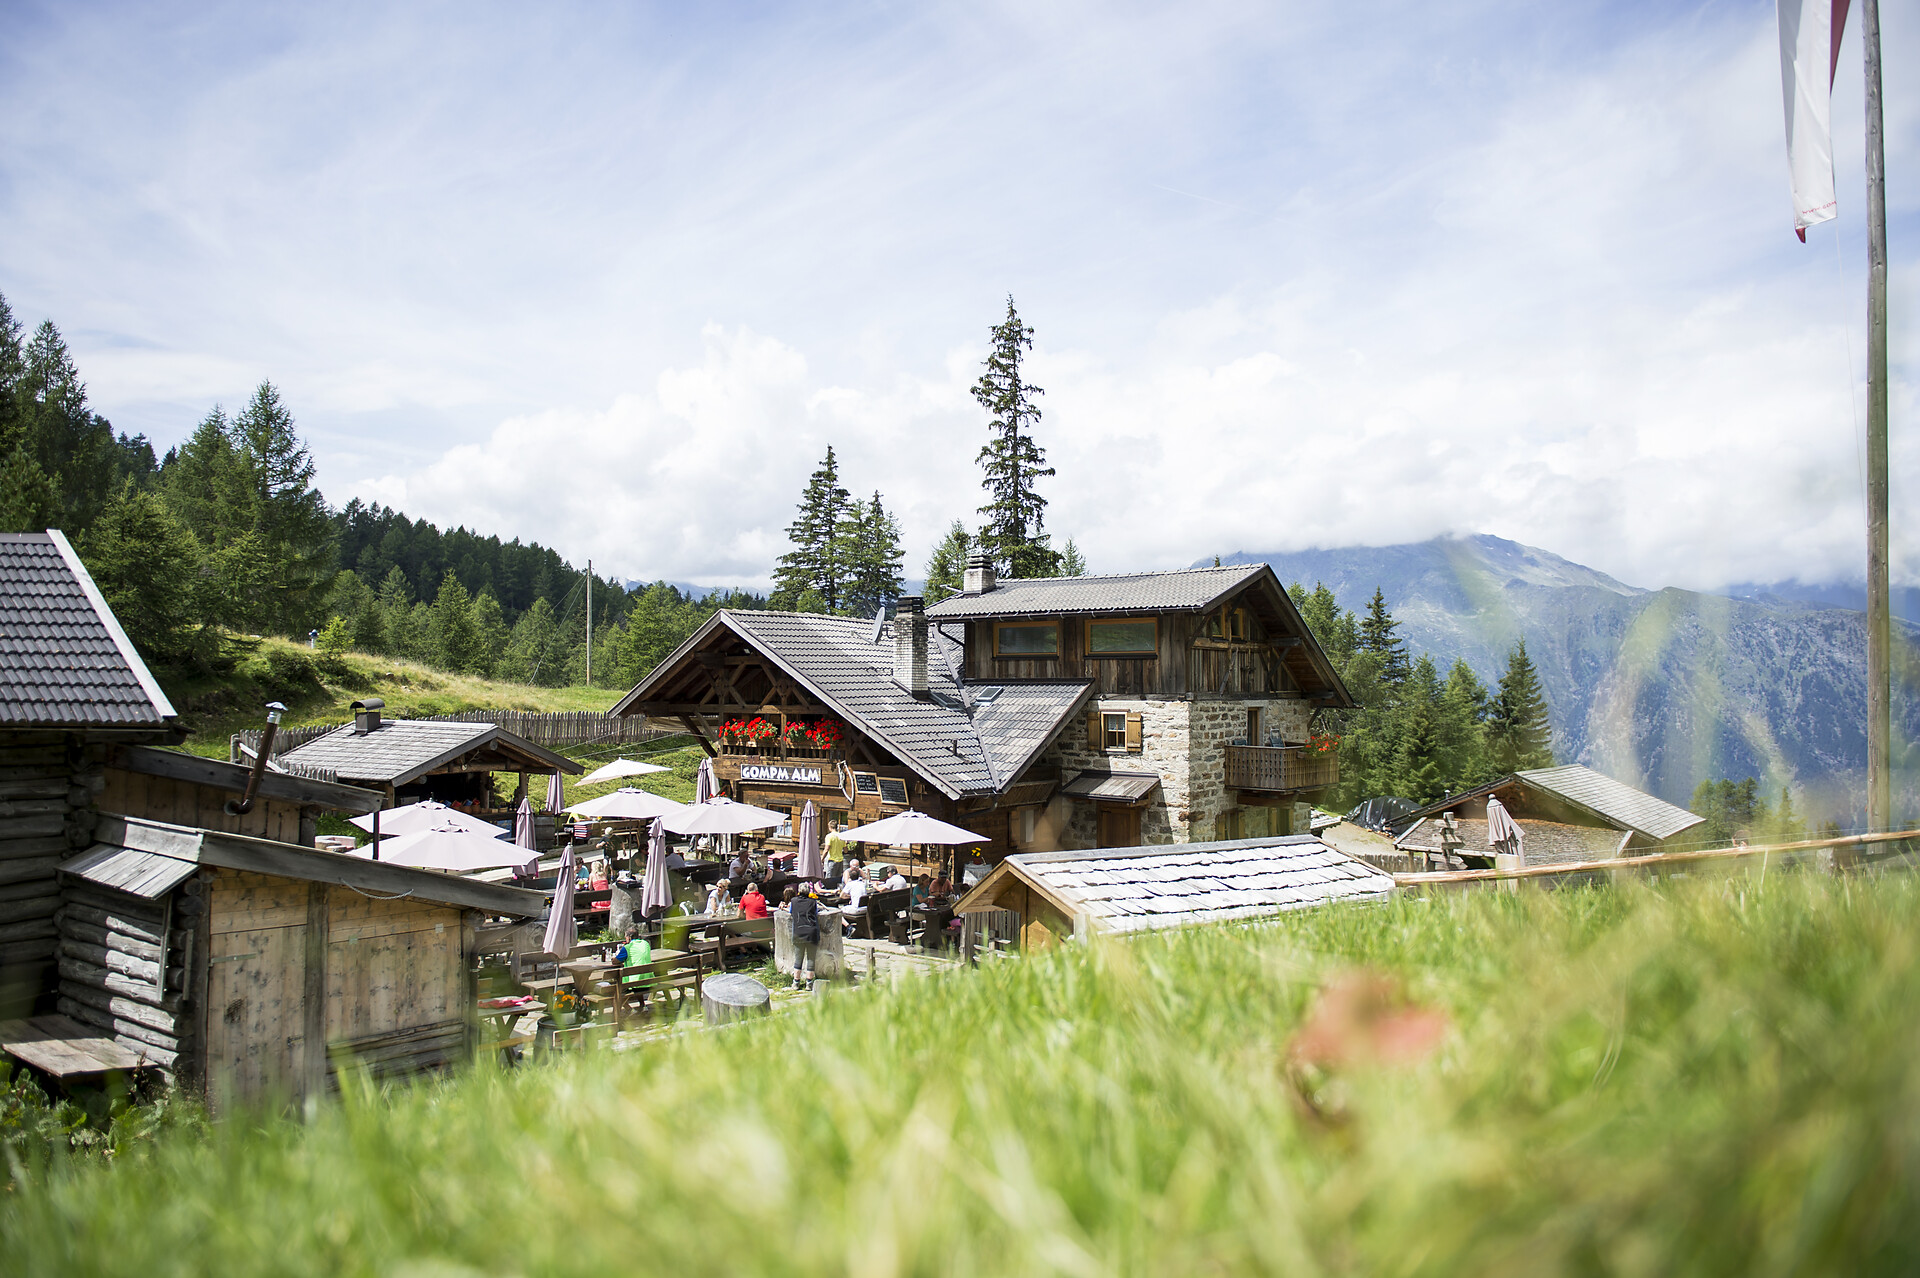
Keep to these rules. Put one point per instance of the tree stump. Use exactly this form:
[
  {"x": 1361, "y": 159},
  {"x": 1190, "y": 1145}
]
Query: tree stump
[{"x": 733, "y": 997}]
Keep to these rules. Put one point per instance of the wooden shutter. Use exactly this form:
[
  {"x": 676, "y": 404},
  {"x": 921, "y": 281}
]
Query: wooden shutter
[
  {"x": 1136, "y": 731},
  {"x": 1096, "y": 731}
]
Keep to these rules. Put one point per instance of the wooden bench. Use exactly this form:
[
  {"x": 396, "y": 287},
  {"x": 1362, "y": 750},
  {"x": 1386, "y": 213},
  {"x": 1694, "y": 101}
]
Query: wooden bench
[
  {"x": 879, "y": 910},
  {"x": 64, "y": 1048},
  {"x": 734, "y": 935},
  {"x": 660, "y": 976}
]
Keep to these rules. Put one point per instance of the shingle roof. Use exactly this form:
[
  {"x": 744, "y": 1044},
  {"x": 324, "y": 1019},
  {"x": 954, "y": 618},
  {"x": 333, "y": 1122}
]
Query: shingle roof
[
  {"x": 1119, "y": 787},
  {"x": 1546, "y": 842},
  {"x": 1618, "y": 802},
  {"x": 960, "y": 754},
  {"x": 1180, "y": 884},
  {"x": 1182, "y": 590},
  {"x": 401, "y": 750},
  {"x": 64, "y": 660}
]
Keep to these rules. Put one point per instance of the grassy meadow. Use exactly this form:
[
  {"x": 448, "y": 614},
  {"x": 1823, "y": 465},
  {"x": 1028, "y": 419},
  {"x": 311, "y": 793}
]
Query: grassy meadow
[
  {"x": 318, "y": 688},
  {"x": 1711, "y": 1076}
]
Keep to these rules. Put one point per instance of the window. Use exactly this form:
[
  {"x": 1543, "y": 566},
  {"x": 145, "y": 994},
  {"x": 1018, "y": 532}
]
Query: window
[
  {"x": 893, "y": 790},
  {"x": 1026, "y": 639},
  {"x": 1253, "y": 726},
  {"x": 1116, "y": 730},
  {"x": 1230, "y": 623},
  {"x": 1127, "y": 637},
  {"x": 1113, "y": 728}
]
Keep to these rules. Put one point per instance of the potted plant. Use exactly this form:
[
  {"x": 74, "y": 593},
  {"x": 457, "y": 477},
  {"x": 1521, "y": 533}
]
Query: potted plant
[{"x": 565, "y": 1008}]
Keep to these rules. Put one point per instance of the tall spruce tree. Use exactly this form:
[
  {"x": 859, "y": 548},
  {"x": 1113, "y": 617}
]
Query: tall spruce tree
[
  {"x": 284, "y": 510},
  {"x": 1519, "y": 730},
  {"x": 1072, "y": 562},
  {"x": 817, "y": 561},
  {"x": 1014, "y": 533},
  {"x": 148, "y": 566}
]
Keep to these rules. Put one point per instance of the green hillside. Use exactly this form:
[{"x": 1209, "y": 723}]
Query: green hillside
[
  {"x": 1707, "y": 1077},
  {"x": 317, "y": 688}
]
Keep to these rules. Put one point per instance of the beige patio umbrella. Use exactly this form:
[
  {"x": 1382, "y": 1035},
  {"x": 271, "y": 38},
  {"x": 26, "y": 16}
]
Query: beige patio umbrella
[
  {"x": 721, "y": 815},
  {"x": 910, "y": 828},
  {"x": 452, "y": 849},
  {"x": 627, "y": 804},
  {"x": 1504, "y": 833},
  {"x": 426, "y": 815},
  {"x": 621, "y": 768}
]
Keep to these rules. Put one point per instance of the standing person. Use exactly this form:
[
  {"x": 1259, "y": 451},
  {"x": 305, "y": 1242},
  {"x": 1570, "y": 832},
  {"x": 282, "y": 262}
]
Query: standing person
[{"x": 805, "y": 912}]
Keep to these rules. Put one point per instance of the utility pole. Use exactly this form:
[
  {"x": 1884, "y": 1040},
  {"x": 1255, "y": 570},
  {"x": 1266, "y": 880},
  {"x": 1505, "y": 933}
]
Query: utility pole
[
  {"x": 1879, "y": 709},
  {"x": 590, "y": 619}
]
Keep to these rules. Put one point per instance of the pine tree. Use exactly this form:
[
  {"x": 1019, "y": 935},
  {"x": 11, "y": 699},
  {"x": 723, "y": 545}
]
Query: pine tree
[
  {"x": 456, "y": 645},
  {"x": 147, "y": 565},
  {"x": 489, "y": 631},
  {"x": 286, "y": 512},
  {"x": 1334, "y": 628},
  {"x": 818, "y": 533},
  {"x": 525, "y": 659},
  {"x": 1016, "y": 513},
  {"x": 1377, "y": 636},
  {"x": 1072, "y": 562},
  {"x": 872, "y": 539},
  {"x": 947, "y": 565},
  {"x": 1460, "y": 723},
  {"x": 1519, "y": 731}
]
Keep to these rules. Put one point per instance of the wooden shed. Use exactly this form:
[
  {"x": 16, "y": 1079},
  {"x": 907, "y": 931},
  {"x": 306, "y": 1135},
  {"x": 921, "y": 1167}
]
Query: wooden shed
[{"x": 257, "y": 970}]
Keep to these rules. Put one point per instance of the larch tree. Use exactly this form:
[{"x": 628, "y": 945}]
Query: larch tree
[
  {"x": 1014, "y": 533},
  {"x": 947, "y": 565}
]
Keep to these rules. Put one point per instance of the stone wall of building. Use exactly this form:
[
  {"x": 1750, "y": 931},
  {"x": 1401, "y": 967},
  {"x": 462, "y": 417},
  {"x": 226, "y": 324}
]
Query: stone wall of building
[{"x": 1184, "y": 742}]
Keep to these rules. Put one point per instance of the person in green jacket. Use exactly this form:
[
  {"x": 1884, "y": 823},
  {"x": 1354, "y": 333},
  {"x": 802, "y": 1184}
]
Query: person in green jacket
[{"x": 636, "y": 953}]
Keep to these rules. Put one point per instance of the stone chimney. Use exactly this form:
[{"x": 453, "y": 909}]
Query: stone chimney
[
  {"x": 910, "y": 644},
  {"x": 980, "y": 576},
  {"x": 366, "y": 715}
]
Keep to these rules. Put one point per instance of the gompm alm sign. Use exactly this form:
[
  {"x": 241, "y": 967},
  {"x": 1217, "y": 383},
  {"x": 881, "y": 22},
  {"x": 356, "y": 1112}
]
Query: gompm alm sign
[{"x": 780, "y": 773}]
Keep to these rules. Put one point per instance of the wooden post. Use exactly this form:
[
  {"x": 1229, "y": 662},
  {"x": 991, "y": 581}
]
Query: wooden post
[
  {"x": 313, "y": 996},
  {"x": 1879, "y": 707}
]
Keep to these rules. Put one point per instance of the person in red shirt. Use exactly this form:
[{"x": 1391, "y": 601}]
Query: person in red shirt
[{"x": 752, "y": 904}]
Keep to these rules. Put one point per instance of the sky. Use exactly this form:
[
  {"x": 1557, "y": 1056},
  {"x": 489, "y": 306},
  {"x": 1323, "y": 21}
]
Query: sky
[{"x": 613, "y": 278}]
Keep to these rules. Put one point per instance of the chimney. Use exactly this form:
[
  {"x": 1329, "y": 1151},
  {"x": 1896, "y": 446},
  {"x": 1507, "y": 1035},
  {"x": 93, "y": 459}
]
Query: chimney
[
  {"x": 366, "y": 715},
  {"x": 910, "y": 645},
  {"x": 979, "y": 578}
]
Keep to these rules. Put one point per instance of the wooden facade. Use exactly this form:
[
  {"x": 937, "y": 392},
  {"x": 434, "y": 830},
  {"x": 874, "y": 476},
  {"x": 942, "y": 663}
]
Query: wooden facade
[
  {"x": 1247, "y": 647},
  {"x": 259, "y": 971}
]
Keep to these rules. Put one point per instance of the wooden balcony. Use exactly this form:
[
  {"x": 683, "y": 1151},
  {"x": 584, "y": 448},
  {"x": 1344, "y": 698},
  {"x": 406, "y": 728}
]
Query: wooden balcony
[{"x": 1280, "y": 769}]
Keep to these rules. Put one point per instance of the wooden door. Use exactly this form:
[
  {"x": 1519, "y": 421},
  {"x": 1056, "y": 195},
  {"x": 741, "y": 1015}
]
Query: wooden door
[
  {"x": 256, "y": 988},
  {"x": 1118, "y": 827}
]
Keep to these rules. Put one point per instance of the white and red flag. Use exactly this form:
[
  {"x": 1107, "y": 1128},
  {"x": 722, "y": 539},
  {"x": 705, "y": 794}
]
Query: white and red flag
[{"x": 1809, "y": 44}]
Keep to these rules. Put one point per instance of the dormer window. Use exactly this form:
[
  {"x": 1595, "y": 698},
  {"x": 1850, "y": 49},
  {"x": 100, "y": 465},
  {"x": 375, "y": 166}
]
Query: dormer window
[{"x": 1026, "y": 639}]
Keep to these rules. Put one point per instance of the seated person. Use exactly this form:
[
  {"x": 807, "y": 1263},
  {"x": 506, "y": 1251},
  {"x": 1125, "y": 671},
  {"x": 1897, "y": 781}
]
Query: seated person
[
  {"x": 895, "y": 881},
  {"x": 718, "y": 898},
  {"x": 940, "y": 890},
  {"x": 637, "y": 952},
  {"x": 752, "y": 904},
  {"x": 741, "y": 868},
  {"x": 856, "y": 888}
]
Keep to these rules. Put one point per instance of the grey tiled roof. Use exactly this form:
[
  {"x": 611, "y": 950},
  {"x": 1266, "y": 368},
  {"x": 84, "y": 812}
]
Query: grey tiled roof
[
  {"x": 64, "y": 660},
  {"x": 1545, "y": 842},
  {"x": 958, "y": 754},
  {"x": 399, "y": 750},
  {"x": 1179, "y": 884},
  {"x": 1617, "y": 801},
  {"x": 1182, "y": 590}
]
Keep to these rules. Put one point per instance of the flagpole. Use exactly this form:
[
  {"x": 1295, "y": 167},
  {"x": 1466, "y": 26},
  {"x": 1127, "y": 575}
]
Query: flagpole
[{"x": 1879, "y": 708}]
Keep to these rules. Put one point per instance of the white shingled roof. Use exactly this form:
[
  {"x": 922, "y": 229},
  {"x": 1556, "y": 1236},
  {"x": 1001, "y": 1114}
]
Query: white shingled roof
[
  {"x": 1181, "y": 884},
  {"x": 1618, "y": 802}
]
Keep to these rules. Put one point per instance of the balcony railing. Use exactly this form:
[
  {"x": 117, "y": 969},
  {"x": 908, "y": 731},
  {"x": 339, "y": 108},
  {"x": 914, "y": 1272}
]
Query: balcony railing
[
  {"x": 776, "y": 752},
  {"x": 1280, "y": 769}
]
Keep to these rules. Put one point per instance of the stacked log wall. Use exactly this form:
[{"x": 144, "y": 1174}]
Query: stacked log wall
[
  {"x": 48, "y": 782},
  {"x": 124, "y": 964}
]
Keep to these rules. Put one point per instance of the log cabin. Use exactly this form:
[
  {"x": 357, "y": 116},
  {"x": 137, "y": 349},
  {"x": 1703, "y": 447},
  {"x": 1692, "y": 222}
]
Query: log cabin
[
  {"x": 167, "y": 910},
  {"x": 1567, "y": 814},
  {"x": 1044, "y": 714}
]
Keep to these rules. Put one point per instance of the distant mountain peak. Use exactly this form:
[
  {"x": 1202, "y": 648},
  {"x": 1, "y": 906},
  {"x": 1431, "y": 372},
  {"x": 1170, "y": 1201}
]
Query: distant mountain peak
[{"x": 1502, "y": 562}]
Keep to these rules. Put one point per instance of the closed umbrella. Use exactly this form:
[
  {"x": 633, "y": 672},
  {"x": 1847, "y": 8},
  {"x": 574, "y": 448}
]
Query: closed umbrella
[
  {"x": 561, "y": 934},
  {"x": 452, "y": 849},
  {"x": 426, "y": 815},
  {"x": 656, "y": 893},
  {"x": 524, "y": 836},
  {"x": 1504, "y": 833},
  {"x": 627, "y": 804},
  {"x": 809, "y": 867},
  {"x": 722, "y": 816},
  {"x": 703, "y": 786},
  {"x": 556, "y": 793},
  {"x": 621, "y": 768}
]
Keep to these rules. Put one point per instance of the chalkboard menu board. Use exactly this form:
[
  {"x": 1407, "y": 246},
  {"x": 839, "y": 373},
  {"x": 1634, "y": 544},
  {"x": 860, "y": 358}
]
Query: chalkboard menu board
[
  {"x": 893, "y": 790},
  {"x": 866, "y": 783}
]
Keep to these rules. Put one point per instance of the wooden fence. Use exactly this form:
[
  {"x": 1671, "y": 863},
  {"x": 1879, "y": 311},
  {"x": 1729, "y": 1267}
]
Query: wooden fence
[
  {"x": 1861, "y": 842},
  {"x": 554, "y": 731}
]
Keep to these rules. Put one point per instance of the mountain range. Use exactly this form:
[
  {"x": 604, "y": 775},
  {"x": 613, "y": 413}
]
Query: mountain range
[{"x": 1659, "y": 688}]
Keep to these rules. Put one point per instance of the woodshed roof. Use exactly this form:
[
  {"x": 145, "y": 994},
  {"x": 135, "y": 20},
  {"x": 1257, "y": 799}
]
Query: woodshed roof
[
  {"x": 403, "y": 750},
  {"x": 1618, "y": 802},
  {"x": 232, "y": 777},
  {"x": 64, "y": 660},
  {"x": 149, "y": 858},
  {"x": 1182, "y": 884}
]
